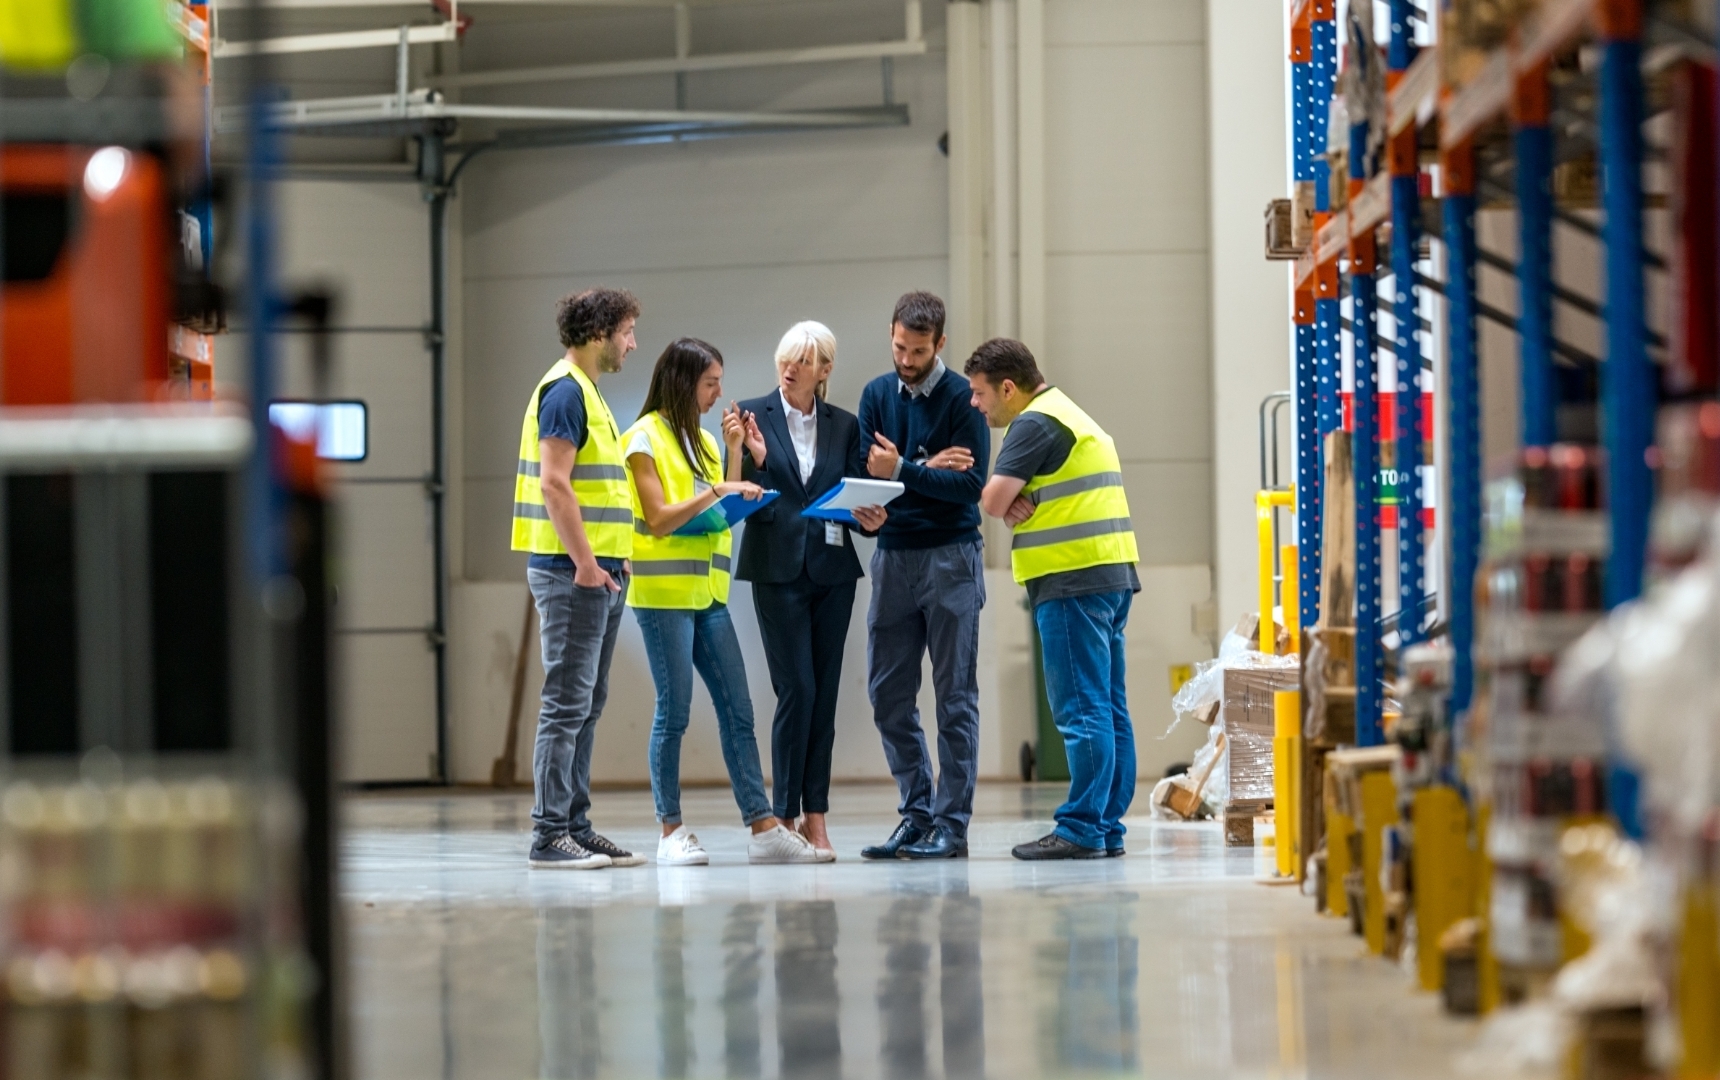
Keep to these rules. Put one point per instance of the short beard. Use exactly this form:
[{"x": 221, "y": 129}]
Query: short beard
[
  {"x": 609, "y": 361},
  {"x": 921, "y": 375}
]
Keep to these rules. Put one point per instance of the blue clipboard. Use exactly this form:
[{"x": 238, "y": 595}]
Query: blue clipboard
[
  {"x": 821, "y": 509},
  {"x": 730, "y": 510}
]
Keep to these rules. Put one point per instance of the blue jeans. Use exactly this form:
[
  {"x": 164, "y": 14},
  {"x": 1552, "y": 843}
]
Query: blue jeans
[
  {"x": 676, "y": 642},
  {"x": 1082, "y": 637},
  {"x": 924, "y": 601},
  {"x": 578, "y": 634}
]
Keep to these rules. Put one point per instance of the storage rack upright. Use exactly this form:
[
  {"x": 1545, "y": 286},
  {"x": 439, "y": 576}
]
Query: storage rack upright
[
  {"x": 1446, "y": 143},
  {"x": 165, "y": 706}
]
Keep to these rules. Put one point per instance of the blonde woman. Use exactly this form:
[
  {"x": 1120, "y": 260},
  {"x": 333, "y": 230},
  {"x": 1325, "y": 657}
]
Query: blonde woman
[{"x": 802, "y": 570}]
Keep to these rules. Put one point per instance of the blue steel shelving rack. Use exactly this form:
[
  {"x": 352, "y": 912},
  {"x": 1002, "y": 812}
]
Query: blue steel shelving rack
[
  {"x": 1463, "y": 377},
  {"x": 1365, "y": 451},
  {"x": 1314, "y": 61},
  {"x": 1405, "y": 169},
  {"x": 1628, "y": 389},
  {"x": 1532, "y": 142},
  {"x": 1513, "y": 82},
  {"x": 1628, "y": 382},
  {"x": 1348, "y": 237}
]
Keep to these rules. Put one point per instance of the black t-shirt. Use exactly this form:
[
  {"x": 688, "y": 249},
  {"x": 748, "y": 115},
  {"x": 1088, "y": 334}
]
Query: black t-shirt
[{"x": 1038, "y": 445}]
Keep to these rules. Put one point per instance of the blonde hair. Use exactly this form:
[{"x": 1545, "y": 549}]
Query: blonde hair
[{"x": 808, "y": 337}]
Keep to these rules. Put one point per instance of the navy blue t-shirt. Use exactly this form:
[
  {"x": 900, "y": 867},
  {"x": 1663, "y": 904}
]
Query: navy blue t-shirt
[{"x": 561, "y": 415}]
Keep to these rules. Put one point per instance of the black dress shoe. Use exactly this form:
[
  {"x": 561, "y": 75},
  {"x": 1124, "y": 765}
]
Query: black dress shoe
[
  {"x": 940, "y": 843},
  {"x": 1052, "y": 846},
  {"x": 906, "y": 833}
]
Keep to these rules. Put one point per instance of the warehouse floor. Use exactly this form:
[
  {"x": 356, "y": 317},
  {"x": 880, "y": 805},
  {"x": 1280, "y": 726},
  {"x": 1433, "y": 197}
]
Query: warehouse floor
[{"x": 1173, "y": 961}]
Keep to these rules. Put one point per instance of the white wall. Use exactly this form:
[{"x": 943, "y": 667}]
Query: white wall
[
  {"x": 1252, "y": 338},
  {"x": 734, "y": 240},
  {"x": 1126, "y": 252},
  {"x": 367, "y": 244},
  {"x": 1126, "y": 303}
]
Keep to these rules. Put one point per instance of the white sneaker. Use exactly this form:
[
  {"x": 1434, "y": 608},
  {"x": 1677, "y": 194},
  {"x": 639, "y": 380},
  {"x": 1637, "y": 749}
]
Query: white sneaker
[
  {"x": 681, "y": 848},
  {"x": 780, "y": 845}
]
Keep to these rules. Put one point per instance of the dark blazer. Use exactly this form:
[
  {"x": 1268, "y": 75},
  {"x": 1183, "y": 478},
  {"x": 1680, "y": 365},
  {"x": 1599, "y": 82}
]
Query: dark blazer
[{"x": 776, "y": 542}]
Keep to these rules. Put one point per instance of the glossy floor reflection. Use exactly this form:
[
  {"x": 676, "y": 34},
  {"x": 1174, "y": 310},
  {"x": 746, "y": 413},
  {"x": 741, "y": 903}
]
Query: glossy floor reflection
[{"x": 1170, "y": 962}]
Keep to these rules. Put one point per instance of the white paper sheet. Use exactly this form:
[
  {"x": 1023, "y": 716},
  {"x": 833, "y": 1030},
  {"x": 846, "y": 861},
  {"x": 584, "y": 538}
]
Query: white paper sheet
[{"x": 855, "y": 492}]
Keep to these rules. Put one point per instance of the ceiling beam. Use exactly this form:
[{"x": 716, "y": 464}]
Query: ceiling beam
[
  {"x": 329, "y": 115},
  {"x": 817, "y": 54},
  {"x": 346, "y": 39}
]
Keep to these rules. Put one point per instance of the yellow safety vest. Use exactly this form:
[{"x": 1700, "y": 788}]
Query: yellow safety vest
[
  {"x": 1081, "y": 516},
  {"x": 683, "y": 572},
  {"x": 599, "y": 478}
]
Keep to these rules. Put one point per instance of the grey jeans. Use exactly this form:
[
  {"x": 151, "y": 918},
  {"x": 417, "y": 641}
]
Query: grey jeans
[
  {"x": 922, "y": 601},
  {"x": 578, "y": 628}
]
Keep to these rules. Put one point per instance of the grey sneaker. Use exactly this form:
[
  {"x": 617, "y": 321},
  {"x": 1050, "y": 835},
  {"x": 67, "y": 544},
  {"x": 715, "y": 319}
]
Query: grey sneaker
[
  {"x": 564, "y": 853},
  {"x": 617, "y": 856}
]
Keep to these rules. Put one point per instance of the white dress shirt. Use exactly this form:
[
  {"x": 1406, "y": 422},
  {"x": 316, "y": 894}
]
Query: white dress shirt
[{"x": 803, "y": 431}]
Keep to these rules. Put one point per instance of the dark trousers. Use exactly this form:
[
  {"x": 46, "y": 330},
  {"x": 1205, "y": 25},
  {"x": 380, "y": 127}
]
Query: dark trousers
[
  {"x": 804, "y": 626},
  {"x": 928, "y": 601}
]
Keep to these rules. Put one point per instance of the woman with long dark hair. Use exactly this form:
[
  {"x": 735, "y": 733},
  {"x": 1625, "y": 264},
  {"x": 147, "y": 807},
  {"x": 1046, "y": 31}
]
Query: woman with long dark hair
[{"x": 679, "y": 594}]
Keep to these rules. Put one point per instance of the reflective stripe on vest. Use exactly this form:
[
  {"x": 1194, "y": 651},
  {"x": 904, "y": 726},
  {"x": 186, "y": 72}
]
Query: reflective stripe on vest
[
  {"x": 684, "y": 572},
  {"x": 1081, "y": 515},
  {"x": 599, "y": 478}
]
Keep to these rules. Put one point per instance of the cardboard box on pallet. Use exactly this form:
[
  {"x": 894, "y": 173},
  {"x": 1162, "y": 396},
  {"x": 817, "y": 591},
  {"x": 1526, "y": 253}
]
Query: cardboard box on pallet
[
  {"x": 1247, "y": 714},
  {"x": 1239, "y": 820}
]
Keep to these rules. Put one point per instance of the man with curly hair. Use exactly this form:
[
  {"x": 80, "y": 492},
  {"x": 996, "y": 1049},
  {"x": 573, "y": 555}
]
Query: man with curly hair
[{"x": 573, "y": 511}]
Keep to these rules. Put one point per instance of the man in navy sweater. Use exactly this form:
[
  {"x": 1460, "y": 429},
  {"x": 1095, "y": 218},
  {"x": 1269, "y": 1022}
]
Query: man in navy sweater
[{"x": 928, "y": 583}]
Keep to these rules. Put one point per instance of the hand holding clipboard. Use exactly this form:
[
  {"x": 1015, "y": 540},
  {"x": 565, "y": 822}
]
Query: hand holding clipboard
[
  {"x": 728, "y": 512},
  {"x": 840, "y": 502}
]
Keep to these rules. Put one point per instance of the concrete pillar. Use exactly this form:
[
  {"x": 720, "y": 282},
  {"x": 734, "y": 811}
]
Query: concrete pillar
[
  {"x": 1000, "y": 42},
  {"x": 1030, "y": 173},
  {"x": 969, "y": 134}
]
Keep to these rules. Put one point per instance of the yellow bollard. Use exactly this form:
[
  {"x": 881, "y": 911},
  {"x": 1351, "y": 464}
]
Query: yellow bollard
[
  {"x": 1444, "y": 875},
  {"x": 1263, "y": 534},
  {"x": 1699, "y": 981},
  {"x": 1283, "y": 756},
  {"x": 1489, "y": 964},
  {"x": 1379, "y": 809},
  {"x": 1264, "y": 503},
  {"x": 1287, "y": 737}
]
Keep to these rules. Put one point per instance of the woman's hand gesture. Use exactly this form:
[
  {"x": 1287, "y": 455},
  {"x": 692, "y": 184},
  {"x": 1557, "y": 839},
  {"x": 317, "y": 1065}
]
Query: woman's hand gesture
[
  {"x": 744, "y": 488},
  {"x": 755, "y": 439},
  {"x": 734, "y": 428},
  {"x": 741, "y": 429}
]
